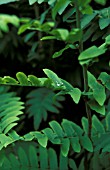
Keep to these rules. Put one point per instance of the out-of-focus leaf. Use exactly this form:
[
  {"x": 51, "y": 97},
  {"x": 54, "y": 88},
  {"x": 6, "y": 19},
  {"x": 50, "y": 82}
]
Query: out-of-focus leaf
[
  {"x": 91, "y": 52},
  {"x": 59, "y": 7},
  {"x": 101, "y": 2},
  {"x": 59, "y": 53},
  {"x": 87, "y": 19},
  {"x": 60, "y": 34},
  {"x": 74, "y": 36},
  {"x": 6, "y": 1},
  {"x": 104, "y": 22}
]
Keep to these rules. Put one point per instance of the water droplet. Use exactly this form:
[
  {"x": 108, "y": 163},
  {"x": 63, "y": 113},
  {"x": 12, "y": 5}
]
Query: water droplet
[{"x": 59, "y": 84}]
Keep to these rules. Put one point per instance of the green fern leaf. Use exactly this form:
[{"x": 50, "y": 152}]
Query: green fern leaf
[
  {"x": 105, "y": 79},
  {"x": 53, "y": 162},
  {"x": 63, "y": 85},
  {"x": 33, "y": 157},
  {"x": 51, "y": 136},
  {"x": 7, "y": 122},
  {"x": 29, "y": 155},
  {"x": 72, "y": 164},
  {"x": 52, "y": 82},
  {"x": 81, "y": 165},
  {"x": 22, "y": 78},
  {"x": 71, "y": 134},
  {"x": 75, "y": 143},
  {"x": 63, "y": 163},
  {"x": 10, "y": 109},
  {"x": 7, "y": 164},
  {"x": 5, "y": 140},
  {"x": 97, "y": 125},
  {"x": 102, "y": 142},
  {"x": 23, "y": 157},
  {"x": 56, "y": 80},
  {"x": 68, "y": 128},
  {"x": 42, "y": 139},
  {"x": 57, "y": 128},
  {"x": 14, "y": 136},
  {"x": 97, "y": 88},
  {"x": 10, "y": 80},
  {"x": 34, "y": 80},
  {"x": 65, "y": 146},
  {"x": 28, "y": 137},
  {"x": 43, "y": 158},
  {"x": 40, "y": 102},
  {"x": 2, "y": 157},
  {"x": 14, "y": 162},
  {"x": 77, "y": 129},
  {"x": 86, "y": 143},
  {"x": 95, "y": 106},
  {"x": 85, "y": 124},
  {"x": 75, "y": 93},
  {"x": 10, "y": 126}
]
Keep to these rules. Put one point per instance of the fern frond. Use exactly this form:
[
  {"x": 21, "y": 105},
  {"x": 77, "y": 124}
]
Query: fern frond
[
  {"x": 66, "y": 134},
  {"x": 53, "y": 82},
  {"x": 10, "y": 109},
  {"x": 100, "y": 132},
  {"x": 6, "y": 140},
  {"x": 27, "y": 155},
  {"x": 41, "y": 101},
  {"x": 69, "y": 134}
]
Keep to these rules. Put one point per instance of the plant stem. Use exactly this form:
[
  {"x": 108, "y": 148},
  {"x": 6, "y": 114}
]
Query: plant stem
[
  {"x": 85, "y": 77},
  {"x": 84, "y": 67},
  {"x": 37, "y": 14}
]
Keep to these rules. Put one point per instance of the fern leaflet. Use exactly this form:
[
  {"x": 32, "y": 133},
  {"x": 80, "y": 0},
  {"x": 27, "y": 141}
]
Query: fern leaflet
[
  {"x": 41, "y": 101},
  {"x": 10, "y": 109}
]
